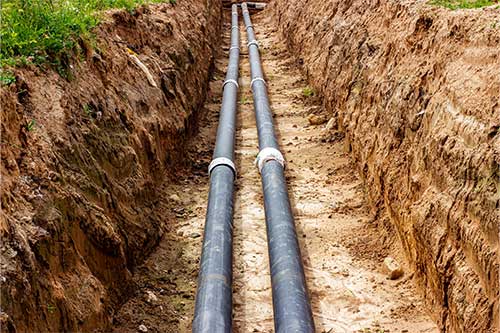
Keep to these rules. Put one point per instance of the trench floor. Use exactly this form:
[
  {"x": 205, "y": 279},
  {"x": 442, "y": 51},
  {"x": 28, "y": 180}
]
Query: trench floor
[{"x": 342, "y": 248}]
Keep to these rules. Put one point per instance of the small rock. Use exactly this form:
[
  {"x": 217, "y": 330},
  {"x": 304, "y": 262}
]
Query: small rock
[
  {"x": 393, "y": 269},
  {"x": 195, "y": 235},
  {"x": 180, "y": 233},
  {"x": 151, "y": 297},
  {"x": 331, "y": 124},
  {"x": 316, "y": 120},
  {"x": 143, "y": 328},
  {"x": 175, "y": 197}
]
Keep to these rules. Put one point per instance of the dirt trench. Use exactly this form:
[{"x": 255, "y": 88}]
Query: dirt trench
[
  {"x": 341, "y": 249},
  {"x": 103, "y": 203}
]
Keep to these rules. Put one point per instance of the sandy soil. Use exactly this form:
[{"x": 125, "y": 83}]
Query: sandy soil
[
  {"x": 342, "y": 251},
  {"x": 415, "y": 89}
]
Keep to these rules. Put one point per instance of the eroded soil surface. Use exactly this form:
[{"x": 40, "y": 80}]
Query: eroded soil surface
[{"x": 342, "y": 251}]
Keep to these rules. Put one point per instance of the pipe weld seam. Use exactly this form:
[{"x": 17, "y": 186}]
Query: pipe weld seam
[
  {"x": 235, "y": 27},
  {"x": 221, "y": 161},
  {"x": 269, "y": 154},
  {"x": 230, "y": 81},
  {"x": 255, "y": 80},
  {"x": 234, "y": 48},
  {"x": 253, "y": 42}
]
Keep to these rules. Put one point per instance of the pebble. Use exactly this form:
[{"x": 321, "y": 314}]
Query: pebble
[
  {"x": 143, "y": 328},
  {"x": 195, "y": 235},
  {"x": 175, "y": 197},
  {"x": 151, "y": 297},
  {"x": 393, "y": 268},
  {"x": 316, "y": 120},
  {"x": 331, "y": 124}
]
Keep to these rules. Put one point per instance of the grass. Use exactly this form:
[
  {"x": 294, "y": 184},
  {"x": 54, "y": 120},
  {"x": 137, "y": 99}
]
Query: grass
[
  {"x": 463, "y": 4},
  {"x": 40, "y": 31},
  {"x": 7, "y": 78},
  {"x": 308, "y": 92},
  {"x": 30, "y": 126},
  {"x": 245, "y": 100}
]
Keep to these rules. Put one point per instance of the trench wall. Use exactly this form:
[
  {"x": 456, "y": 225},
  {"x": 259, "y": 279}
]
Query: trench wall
[
  {"x": 416, "y": 89},
  {"x": 82, "y": 154}
]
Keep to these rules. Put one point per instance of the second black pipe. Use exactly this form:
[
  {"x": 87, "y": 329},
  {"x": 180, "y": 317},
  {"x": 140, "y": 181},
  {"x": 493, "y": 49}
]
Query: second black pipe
[
  {"x": 291, "y": 306},
  {"x": 213, "y": 309}
]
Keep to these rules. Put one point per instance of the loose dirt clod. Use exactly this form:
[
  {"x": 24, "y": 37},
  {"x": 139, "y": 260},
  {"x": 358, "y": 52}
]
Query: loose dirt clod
[
  {"x": 393, "y": 269},
  {"x": 316, "y": 120}
]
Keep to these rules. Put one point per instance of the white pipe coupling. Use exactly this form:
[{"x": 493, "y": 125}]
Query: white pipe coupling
[
  {"x": 257, "y": 79},
  {"x": 253, "y": 42},
  {"x": 221, "y": 161},
  {"x": 269, "y": 154},
  {"x": 231, "y": 81}
]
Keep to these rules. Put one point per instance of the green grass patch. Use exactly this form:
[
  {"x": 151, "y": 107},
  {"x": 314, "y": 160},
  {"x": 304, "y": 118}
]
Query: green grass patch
[
  {"x": 463, "y": 4},
  {"x": 308, "y": 92},
  {"x": 38, "y": 31},
  {"x": 245, "y": 100},
  {"x": 30, "y": 125},
  {"x": 6, "y": 78}
]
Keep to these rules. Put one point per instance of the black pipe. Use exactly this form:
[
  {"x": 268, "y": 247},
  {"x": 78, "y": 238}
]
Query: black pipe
[
  {"x": 213, "y": 307},
  {"x": 291, "y": 306}
]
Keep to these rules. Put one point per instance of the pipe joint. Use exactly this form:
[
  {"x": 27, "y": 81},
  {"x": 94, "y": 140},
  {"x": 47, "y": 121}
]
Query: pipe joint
[
  {"x": 221, "y": 161},
  {"x": 253, "y": 42},
  {"x": 231, "y": 81},
  {"x": 269, "y": 154},
  {"x": 255, "y": 80}
]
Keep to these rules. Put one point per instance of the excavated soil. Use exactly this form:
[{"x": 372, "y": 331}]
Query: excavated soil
[
  {"x": 84, "y": 157},
  {"x": 342, "y": 251},
  {"x": 415, "y": 88}
]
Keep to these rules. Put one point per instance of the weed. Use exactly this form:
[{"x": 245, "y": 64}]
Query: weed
[
  {"x": 463, "y": 4},
  {"x": 173, "y": 2},
  {"x": 308, "y": 92},
  {"x": 87, "y": 109},
  {"x": 245, "y": 100},
  {"x": 7, "y": 78},
  {"x": 51, "y": 308},
  {"x": 30, "y": 126},
  {"x": 44, "y": 30}
]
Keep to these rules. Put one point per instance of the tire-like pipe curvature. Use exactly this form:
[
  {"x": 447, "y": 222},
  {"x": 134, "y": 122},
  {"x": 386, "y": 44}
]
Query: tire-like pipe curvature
[
  {"x": 213, "y": 307},
  {"x": 292, "y": 309}
]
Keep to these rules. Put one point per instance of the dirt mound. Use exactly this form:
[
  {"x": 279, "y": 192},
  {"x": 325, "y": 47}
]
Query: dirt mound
[
  {"x": 416, "y": 90},
  {"x": 81, "y": 158}
]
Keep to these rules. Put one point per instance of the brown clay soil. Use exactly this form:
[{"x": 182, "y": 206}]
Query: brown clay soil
[
  {"x": 415, "y": 89},
  {"x": 81, "y": 195},
  {"x": 342, "y": 251}
]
